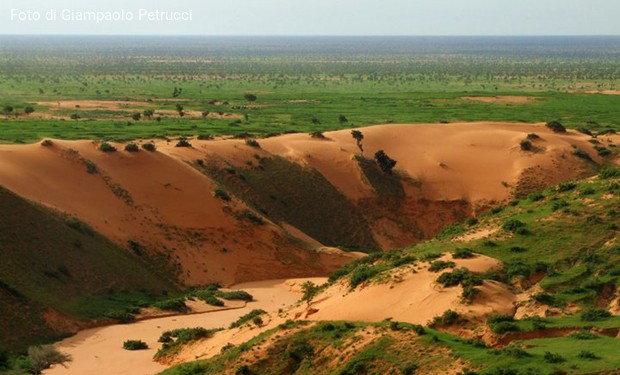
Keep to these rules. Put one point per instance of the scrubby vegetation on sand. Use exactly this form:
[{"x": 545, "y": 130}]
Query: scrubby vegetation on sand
[{"x": 575, "y": 265}]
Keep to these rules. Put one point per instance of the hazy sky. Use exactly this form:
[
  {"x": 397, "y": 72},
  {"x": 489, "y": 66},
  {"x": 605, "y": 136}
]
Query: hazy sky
[{"x": 327, "y": 17}]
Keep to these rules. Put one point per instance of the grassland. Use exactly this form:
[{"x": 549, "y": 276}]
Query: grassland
[{"x": 300, "y": 86}]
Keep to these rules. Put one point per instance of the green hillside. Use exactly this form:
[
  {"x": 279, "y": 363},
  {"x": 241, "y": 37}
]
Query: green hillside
[{"x": 53, "y": 262}]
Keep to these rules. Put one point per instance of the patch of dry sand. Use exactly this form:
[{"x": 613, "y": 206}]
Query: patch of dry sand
[{"x": 500, "y": 99}]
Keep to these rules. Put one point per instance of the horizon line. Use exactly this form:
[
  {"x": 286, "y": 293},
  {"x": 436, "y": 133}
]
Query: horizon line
[{"x": 321, "y": 35}]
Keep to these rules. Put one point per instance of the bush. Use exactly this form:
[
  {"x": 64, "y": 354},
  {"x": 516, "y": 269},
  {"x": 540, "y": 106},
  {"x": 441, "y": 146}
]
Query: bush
[
  {"x": 253, "y": 217},
  {"x": 252, "y": 143},
  {"x": 556, "y": 126},
  {"x": 135, "y": 345},
  {"x": 594, "y": 314},
  {"x": 210, "y": 299},
  {"x": 449, "y": 317},
  {"x": 47, "y": 143},
  {"x": 205, "y": 137},
  {"x": 587, "y": 354},
  {"x": 584, "y": 335},
  {"x": 176, "y": 304},
  {"x": 361, "y": 274},
  {"x": 459, "y": 276},
  {"x": 513, "y": 224},
  {"x": 257, "y": 320},
  {"x": 43, "y": 357},
  {"x": 247, "y": 317},
  {"x": 582, "y": 154},
  {"x": 409, "y": 369},
  {"x": 237, "y": 295},
  {"x": 132, "y": 147},
  {"x": 517, "y": 249},
  {"x": 123, "y": 317},
  {"x": 149, "y": 146},
  {"x": 222, "y": 194},
  {"x": 553, "y": 358},
  {"x": 609, "y": 172},
  {"x": 183, "y": 142},
  {"x": 310, "y": 290},
  {"x": 439, "y": 265},
  {"x": 462, "y": 253},
  {"x": 106, "y": 147},
  {"x": 526, "y": 145},
  {"x": 533, "y": 136},
  {"x": 317, "y": 134},
  {"x": 504, "y": 327}
]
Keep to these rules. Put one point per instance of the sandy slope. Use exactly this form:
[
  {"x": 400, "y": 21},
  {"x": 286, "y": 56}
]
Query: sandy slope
[
  {"x": 99, "y": 350},
  {"x": 410, "y": 296},
  {"x": 160, "y": 200}
]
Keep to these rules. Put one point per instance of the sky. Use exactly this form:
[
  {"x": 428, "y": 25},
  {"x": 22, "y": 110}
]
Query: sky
[{"x": 314, "y": 17}]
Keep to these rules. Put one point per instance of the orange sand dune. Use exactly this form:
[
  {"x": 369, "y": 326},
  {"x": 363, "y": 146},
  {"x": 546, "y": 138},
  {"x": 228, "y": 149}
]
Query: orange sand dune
[
  {"x": 409, "y": 296},
  {"x": 162, "y": 203},
  {"x": 160, "y": 200}
]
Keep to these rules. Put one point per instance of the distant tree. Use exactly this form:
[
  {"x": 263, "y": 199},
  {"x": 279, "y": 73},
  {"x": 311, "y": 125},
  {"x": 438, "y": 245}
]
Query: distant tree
[
  {"x": 28, "y": 110},
  {"x": 148, "y": 113},
  {"x": 250, "y": 97},
  {"x": 385, "y": 162},
  {"x": 158, "y": 118},
  {"x": 526, "y": 145},
  {"x": 7, "y": 110},
  {"x": 183, "y": 142},
  {"x": 75, "y": 116},
  {"x": 205, "y": 114},
  {"x": 317, "y": 134},
  {"x": 43, "y": 357},
  {"x": 358, "y": 136},
  {"x": 180, "y": 110},
  {"x": 343, "y": 119},
  {"x": 176, "y": 92},
  {"x": 136, "y": 116}
]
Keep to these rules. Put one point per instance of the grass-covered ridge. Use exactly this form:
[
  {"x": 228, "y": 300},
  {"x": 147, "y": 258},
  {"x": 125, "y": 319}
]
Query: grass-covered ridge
[{"x": 53, "y": 262}]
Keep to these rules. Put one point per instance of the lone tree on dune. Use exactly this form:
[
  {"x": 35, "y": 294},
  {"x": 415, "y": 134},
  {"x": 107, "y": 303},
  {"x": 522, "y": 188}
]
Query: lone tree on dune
[
  {"x": 358, "y": 136},
  {"x": 28, "y": 110},
  {"x": 250, "y": 97},
  {"x": 385, "y": 162}
]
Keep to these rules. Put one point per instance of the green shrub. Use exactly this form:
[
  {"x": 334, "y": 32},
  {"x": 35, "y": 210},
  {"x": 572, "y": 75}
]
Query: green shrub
[
  {"x": 459, "y": 276},
  {"x": 247, "y": 317},
  {"x": 537, "y": 196},
  {"x": 253, "y": 217},
  {"x": 439, "y": 265},
  {"x": 361, "y": 274},
  {"x": 132, "y": 147},
  {"x": 584, "y": 334},
  {"x": 317, "y": 134},
  {"x": 409, "y": 369},
  {"x": 566, "y": 186},
  {"x": 504, "y": 327},
  {"x": 183, "y": 142},
  {"x": 556, "y": 126},
  {"x": 252, "y": 143},
  {"x": 401, "y": 261},
  {"x": 526, "y": 145},
  {"x": 149, "y": 146},
  {"x": 257, "y": 320},
  {"x": 44, "y": 356},
  {"x": 594, "y": 314},
  {"x": 517, "y": 249},
  {"x": 587, "y": 354},
  {"x": 209, "y": 298},
  {"x": 498, "y": 318},
  {"x": 449, "y": 317},
  {"x": 176, "y": 304},
  {"x": 222, "y": 194},
  {"x": 550, "y": 357},
  {"x": 123, "y": 317},
  {"x": 609, "y": 172},
  {"x": 514, "y": 351},
  {"x": 135, "y": 345},
  {"x": 533, "y": 136},
  {"x": 513, "y": 224},
  {"x": 463, "y": 253},
  {"x": 106, "y": 147},
  {"x": 582, "y": 154},
  {"x": 238, "y": 295}
]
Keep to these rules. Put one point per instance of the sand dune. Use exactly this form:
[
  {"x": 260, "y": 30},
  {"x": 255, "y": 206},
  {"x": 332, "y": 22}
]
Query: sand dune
[
  {"x": 164, "y": 202},
  {"x": 409, "y": 296}
]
